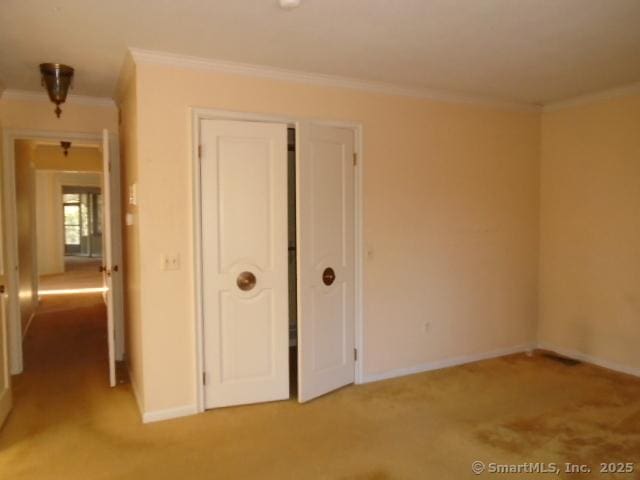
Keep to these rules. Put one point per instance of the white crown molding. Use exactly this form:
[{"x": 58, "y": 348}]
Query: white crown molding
[
  {"x": 631, "y": 89},
  {"x": 141, "y": 56},
  {"x": 26, "y": 95}
]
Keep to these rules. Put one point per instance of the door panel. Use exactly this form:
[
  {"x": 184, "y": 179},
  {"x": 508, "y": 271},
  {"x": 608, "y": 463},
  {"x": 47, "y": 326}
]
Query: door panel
[
  {"x": 326, "y": 274},
  {"x": 244, "y": 249}
]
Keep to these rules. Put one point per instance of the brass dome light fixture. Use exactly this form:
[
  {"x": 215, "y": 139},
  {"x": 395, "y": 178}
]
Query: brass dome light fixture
[
  {"x": 56, "y": 78},
  {"x": 65, "y": 147}
]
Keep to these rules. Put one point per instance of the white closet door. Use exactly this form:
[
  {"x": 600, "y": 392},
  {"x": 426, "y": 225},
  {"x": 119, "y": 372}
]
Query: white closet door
[
  {"x": 326, "y": 274},
  {"x": 244, "y": 250}
]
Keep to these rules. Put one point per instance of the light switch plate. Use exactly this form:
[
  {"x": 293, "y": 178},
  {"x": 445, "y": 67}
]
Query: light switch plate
[{"x": 170, "y": 261}]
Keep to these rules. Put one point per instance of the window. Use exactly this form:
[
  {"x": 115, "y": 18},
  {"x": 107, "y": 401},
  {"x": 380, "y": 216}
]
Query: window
[
  {"x": 82, "y": 208},
  {"x": 72, "y": 224}
]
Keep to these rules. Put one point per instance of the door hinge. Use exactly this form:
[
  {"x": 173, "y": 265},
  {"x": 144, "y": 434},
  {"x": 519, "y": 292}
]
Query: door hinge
[
  {"x": 199, "y": 151},
  {"x": 204, "y": 378},
  {"x": 355, "y": 354},
  {"x": 355, "y": 159}
]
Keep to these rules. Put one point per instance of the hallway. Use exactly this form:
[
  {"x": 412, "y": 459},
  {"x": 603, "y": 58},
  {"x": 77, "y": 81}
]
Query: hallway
[
  {"x": 80, "y": 273},
  {"x": 60, "y": 397}
]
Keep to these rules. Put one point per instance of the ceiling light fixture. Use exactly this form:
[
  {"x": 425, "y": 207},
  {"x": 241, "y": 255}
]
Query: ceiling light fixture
[
  {"x": 289, "y": 4},
  {"x": 65, "y": 147},
  {"x": 56, "y": 78}
]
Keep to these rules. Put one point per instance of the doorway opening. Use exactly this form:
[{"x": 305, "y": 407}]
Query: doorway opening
[
  {"x": 56, "y": 219},
  {"x": 82, "y": 219}
]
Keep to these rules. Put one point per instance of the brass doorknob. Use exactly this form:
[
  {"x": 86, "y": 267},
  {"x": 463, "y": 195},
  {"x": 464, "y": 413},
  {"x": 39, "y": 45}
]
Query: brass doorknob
[
  {"x": 246, "y": 281},
  {"x": 328, "y": 276}
]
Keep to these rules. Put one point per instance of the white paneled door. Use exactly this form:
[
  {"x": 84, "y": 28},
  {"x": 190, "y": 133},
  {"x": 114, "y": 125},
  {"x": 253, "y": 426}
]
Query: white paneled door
[
  {"x": 326, "y": 251},
  {"x": 243, "y": 171}
]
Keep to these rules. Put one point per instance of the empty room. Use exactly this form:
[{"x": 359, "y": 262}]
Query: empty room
[{"x": 319, "y": 239}]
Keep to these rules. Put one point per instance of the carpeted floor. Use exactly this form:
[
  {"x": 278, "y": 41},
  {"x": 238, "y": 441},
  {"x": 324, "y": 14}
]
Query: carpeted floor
[
  {"x": 80, "y": 272},
  {"x": 67, "y": 424}
]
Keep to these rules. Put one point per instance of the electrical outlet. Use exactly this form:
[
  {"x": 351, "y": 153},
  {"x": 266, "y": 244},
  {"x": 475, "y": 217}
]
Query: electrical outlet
[{"x": 171, "y": 261}]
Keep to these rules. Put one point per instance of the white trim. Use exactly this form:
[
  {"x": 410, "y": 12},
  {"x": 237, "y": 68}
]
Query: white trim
[
  {"x": 14, "y": 320},
  {"x": 141, "y": 56},
  {"x": 583, "y": 357},
  {"x": 27, "y": 95},
  {"x": 14, "y": 326},
  {"x": 199, "y": 114},
  {"x": 197, "y": 258},
  {"x": 447, "y": 362},
  {"x": 31, "y": 317},
  {"x": 169, "y": 413},
  {"x": 631, "y": 89},
  {"x": 136, "y": 393}
]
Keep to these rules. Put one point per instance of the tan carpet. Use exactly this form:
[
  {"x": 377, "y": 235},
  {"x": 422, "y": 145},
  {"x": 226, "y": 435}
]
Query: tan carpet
[
  {"x": 81, "y": 273},
  {"x": 67, "y": 424}
]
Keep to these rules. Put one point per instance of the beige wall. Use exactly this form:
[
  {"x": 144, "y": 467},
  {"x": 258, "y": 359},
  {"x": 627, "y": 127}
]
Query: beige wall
[
  {"x": 27, "y": 247},
  {"x": 450, "y": 220},
  {"x": 590, "y": 230},
  {"x": 80, "y": 159},
  {"x": 48, "y": 225},
  {"x": 131, "y": 234},
  {"x": 38, "y": 115}
]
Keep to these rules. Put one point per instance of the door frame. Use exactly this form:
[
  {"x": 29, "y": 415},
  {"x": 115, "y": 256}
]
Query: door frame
[
  {"x": 197, "y": 116},
  {"x": 14, "y": 327}
]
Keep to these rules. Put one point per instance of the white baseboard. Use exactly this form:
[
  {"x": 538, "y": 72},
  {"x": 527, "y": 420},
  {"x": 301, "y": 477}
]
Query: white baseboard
[
  {"x": 158, "y": 415},
  {"x": 169, "y": 413},
  {"x": 26, "y": 328},
  {"x": 136, "y": 393},
  {"x": 583, "y": 357},
  {"x": 448, "y": 362}
]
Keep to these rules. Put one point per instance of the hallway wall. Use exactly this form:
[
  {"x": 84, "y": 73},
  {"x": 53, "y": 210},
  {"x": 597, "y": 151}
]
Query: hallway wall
[
  {"x": 27, "y": 245},
  {"x": 79, "y": 158},
  {"x": 37, "y": 114}
]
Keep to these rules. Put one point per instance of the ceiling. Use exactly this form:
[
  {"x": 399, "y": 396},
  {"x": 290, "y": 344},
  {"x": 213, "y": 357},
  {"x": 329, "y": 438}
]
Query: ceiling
[{"x": 530, "y": 51}]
